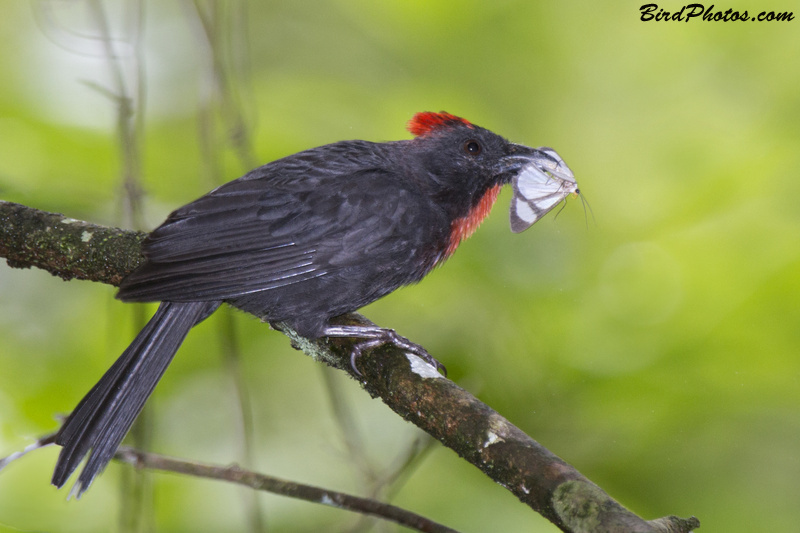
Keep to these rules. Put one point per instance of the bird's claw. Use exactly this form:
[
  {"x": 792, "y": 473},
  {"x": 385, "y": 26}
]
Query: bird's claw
[
  {"x": 401, "y": 342},
  {"x": 374, "y": 336}
]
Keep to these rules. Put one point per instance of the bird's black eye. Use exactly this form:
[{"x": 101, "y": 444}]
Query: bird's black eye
[{"x": 472, "y": 147}]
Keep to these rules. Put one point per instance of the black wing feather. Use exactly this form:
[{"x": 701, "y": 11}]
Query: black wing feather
[{"x": 265, "y": 230}]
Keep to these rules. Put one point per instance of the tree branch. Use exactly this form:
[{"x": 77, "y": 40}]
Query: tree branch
[
  {"x": 65, "y": 247},
  {"x": 72, "y": 249},
  {"x": 253, "y": 480}
]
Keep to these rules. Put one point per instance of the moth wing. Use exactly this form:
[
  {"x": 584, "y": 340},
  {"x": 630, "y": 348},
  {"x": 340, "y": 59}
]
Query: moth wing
[{"x": 535, "y": 193}]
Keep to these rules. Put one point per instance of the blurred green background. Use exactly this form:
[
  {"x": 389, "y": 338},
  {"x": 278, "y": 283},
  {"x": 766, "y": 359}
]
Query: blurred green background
[{"x": 654, "y": 346}]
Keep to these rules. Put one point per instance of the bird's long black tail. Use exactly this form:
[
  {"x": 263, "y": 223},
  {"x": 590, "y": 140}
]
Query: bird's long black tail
[{"x": 102, "y": 419}]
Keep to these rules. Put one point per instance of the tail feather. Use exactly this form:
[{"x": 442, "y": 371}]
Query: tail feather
[{"x": 103, "y": 417}]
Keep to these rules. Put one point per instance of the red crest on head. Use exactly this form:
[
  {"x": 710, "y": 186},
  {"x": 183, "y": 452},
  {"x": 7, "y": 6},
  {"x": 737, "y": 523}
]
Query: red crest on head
[{"x": 427, "y": 121}]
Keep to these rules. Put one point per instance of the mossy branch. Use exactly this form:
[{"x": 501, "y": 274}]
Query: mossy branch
[{"x": 70, "y": 249}]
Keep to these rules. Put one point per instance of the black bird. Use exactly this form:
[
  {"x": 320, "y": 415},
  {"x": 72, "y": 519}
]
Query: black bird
[{"x": 304, "y": 239}]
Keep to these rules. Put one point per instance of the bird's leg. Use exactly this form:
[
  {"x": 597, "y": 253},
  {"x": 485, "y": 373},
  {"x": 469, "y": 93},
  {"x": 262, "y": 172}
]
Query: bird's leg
[{"x": 375, "y": 336}]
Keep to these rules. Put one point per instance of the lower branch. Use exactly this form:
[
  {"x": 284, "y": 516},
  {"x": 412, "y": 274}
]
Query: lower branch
[
  {"x": 300, "y": 491},
  {"x": 409, "y": 386}
]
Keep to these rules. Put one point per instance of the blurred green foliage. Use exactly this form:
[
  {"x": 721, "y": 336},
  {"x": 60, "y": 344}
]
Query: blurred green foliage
[{"x": 654, "y": 345}]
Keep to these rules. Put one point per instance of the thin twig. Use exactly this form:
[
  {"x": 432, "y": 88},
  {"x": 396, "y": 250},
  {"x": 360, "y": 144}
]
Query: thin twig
[
  {"x": 233, "y": 362},
  {"x": 127, "y": 94},
  {"x": 219, "y": 109},
  {"x": 300, "y": 491}
]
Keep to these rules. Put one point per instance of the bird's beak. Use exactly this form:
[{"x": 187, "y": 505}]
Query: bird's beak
[{"x": 540, "y": 182}]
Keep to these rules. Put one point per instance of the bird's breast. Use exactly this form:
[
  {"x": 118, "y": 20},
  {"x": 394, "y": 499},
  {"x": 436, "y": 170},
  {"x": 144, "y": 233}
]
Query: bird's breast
[{"x": 463, "y": 227}]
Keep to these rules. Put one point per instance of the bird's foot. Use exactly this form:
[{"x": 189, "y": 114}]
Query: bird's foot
[{"x": 374, "y": 336}]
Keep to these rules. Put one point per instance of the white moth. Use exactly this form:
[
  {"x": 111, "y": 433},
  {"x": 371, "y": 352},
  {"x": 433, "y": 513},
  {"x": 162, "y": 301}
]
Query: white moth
[{"x": 538, "y": 187}]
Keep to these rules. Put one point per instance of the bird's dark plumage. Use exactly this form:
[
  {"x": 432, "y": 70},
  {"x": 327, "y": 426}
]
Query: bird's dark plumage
[
  {"x": 299, "y": 240},
  {"x": 103, "y": 417},
  {"x": 290, "y": 240}
]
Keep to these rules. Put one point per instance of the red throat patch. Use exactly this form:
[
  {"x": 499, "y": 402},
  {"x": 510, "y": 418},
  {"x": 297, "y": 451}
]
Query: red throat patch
[
  {"x": 463, "y": 227},
  {"x": 426, "y": 122}
]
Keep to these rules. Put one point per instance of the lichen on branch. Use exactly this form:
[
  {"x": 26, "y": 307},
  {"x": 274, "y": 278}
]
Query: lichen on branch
[{"x": 65, "y": 247}]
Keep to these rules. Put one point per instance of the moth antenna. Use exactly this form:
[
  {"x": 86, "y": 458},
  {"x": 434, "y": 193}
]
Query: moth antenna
[{"x": 585, "y": 204}]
